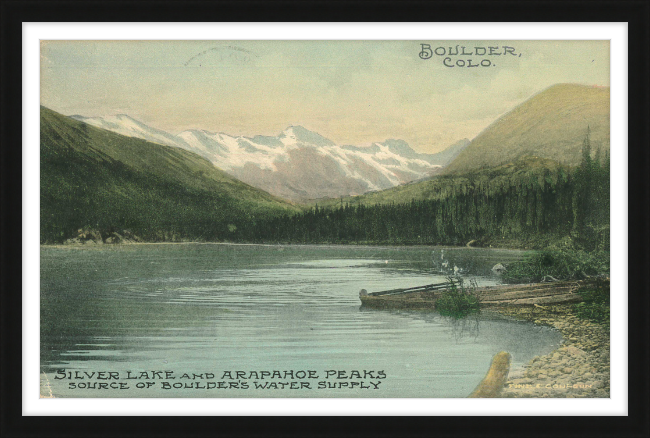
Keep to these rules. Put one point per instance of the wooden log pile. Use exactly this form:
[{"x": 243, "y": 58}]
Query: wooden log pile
[{"x": 425, "y": 297}]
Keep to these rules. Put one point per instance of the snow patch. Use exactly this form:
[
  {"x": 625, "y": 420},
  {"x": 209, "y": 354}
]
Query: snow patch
[{"x": 393, "y": 160}]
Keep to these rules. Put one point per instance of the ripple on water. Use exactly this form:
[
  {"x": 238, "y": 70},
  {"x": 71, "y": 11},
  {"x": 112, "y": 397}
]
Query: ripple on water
[{"x": 214, "y": 307}]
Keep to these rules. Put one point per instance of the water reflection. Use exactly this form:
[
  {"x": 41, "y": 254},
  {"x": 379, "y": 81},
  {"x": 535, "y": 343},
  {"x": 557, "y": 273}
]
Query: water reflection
[
  {"x": 467, "y": 327},
  {"x": 457, "y": 328},
  {"x": 220, "y": 307}
]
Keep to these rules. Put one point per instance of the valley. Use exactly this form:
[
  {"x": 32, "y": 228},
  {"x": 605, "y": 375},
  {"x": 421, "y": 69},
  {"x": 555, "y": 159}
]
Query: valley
[{"x": 116, "y": 180}]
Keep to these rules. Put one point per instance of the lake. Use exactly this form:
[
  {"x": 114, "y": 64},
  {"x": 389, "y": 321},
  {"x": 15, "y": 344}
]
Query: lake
[{"x": 202, "y": 312}]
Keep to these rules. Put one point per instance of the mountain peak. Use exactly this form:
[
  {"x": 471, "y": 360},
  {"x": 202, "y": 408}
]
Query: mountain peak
[
  {"x": 303, "y": 135},
  {"x": 551, "y": 124},
  {"x": 572, "y": 86},
  {"x": 400, "y": 147}
]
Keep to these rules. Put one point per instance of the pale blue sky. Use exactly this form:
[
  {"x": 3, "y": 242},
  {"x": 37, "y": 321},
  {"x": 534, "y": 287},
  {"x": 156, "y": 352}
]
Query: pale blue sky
[{"x": 353, "y": 92}]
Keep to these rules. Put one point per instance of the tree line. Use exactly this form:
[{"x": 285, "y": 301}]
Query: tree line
[
  {"x": 529, "y": 200},
  {"x": 538, "y": 202}
]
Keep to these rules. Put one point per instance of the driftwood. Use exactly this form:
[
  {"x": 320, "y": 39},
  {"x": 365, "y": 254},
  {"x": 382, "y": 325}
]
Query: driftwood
[
  {"x": 495, "y": 378},
  {"x": 425, "y": 297}
]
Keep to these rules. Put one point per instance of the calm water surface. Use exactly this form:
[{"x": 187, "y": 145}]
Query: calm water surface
[{"x": 210, "y": 308}]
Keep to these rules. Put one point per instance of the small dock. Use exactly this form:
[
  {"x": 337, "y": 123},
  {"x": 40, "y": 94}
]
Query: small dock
[{"x": 425, "y": 297}]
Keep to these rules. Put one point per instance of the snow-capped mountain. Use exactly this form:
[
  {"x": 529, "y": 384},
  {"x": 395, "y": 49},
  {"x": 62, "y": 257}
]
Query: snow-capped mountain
[
  {"x": 297, "y": 164},
  {"x": 125, "y": 125}
]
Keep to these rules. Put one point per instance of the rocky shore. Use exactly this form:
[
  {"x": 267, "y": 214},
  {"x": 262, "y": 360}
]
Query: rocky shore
[
  {"x": 91, "y": 236},
  {"x": 578, "y": 368}
]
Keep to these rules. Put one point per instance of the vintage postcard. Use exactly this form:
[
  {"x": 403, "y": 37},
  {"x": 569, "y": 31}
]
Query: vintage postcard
[{"x": 324, "y": 219}]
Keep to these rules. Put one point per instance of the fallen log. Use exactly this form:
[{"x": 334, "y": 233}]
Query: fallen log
[
  {"x": 495, "y": 379},
  {"x": 425, "y": 288},
  {"x": 425, "y": 297}
]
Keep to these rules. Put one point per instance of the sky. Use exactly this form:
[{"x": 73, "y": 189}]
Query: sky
[{"x": 352, "y": 92}]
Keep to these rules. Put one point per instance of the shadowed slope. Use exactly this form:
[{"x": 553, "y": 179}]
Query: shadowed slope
[{"x": 96, "y": 178}]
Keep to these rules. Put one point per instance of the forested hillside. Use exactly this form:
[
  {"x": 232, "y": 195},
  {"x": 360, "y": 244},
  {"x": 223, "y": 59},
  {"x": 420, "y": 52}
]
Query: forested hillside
[
  {"x": 531, "y": 203},
  {"x": 95, "y": 179}
]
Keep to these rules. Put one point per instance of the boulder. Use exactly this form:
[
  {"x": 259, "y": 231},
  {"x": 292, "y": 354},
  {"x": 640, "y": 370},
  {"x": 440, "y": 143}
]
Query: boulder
[
  {"x": 575, "y": 351},
  {"x": 129, "y": 237},
  {"x": 122, "y": 237},
  {"x": 89, "y": 235}
]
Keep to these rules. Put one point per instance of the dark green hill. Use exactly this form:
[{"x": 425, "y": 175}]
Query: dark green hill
[
  {"x": 108, "y": 182},
  {"x": 551, "y": 125}
]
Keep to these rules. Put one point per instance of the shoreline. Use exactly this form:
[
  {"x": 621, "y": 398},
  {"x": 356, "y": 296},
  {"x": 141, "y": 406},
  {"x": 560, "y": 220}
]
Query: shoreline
[
  {"x": 578, "y": 368},
  {"x": 327, "y": 245},
  {"x": 91, "y": 237}
]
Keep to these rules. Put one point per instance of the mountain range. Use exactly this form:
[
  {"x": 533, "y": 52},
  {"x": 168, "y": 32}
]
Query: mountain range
[
  {"x": 116, "y": 174},
  {"x": 298, "y": 164},
  {"x": 551, "y": 125}
]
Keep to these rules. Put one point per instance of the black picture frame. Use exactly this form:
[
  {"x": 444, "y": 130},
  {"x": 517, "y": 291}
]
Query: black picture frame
[{"x": 635, "y": 13}]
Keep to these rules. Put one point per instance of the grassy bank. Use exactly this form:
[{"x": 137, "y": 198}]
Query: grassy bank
[
  {"x": 552, "y": 265},
  {"x": 459, "y": 300}
]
